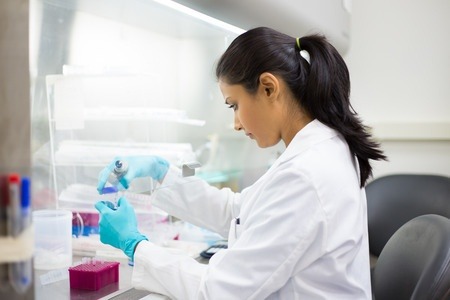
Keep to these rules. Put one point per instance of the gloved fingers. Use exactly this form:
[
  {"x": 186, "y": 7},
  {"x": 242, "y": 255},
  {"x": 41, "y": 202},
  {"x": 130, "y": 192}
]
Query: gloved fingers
[
  {"x": 123, "y": 202},
  {"x": 103, "y": 238},
  {"x": 108, "y": 238},
  {"x": 102, "y": 178},
  {"x": 102, "y": 207},
  {"x": 138, "y": 166},
  {"x": 125, "y": 209},
  {"x": 160, "y": 166},
  {"x": 145, "y": 166},
  {"x": 104, "y": 175},
  {"x": 125, "y": 180}
]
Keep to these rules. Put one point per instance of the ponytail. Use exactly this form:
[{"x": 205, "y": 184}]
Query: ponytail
[
  {"x": 315, "y": 73},
  {"x": 326, "y": 98}
]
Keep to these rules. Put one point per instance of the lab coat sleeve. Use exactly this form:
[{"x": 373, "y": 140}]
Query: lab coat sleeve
[
  {"x": 195, "y": 201},
  {"x": 167, "y": 272},
  {"x": 287, "y": 223}
]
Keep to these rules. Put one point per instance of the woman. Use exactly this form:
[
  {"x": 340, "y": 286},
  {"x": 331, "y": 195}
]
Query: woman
[{"x": 300, "y": 231}]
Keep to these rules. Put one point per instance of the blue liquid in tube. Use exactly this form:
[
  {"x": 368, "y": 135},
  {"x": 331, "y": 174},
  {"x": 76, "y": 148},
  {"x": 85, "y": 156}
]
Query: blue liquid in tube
[{"x": 110, "y": 190}]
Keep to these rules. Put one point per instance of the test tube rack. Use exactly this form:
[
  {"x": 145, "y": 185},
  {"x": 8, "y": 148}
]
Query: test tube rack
[{"x": 93, "y": 275}]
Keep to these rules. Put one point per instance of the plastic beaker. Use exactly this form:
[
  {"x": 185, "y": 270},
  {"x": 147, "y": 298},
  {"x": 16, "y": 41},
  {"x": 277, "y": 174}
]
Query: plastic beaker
[{"x": 53, "y": 239}]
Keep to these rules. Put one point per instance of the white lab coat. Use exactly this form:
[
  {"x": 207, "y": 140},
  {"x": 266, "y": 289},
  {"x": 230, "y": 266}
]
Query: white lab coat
[{"x": 302, "y": 231}]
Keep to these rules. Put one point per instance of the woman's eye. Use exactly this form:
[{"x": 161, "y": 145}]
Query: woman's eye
[{"x": 232, "y": 106}]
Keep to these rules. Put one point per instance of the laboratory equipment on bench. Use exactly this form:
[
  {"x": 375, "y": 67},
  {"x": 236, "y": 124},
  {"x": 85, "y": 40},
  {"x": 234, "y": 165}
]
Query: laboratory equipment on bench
[
  {"x": 213, "y": 249},
  {"x": 93, "y": 274},
  {"x": 16, "y": 236},
  {"x": 53, "y": 239},
  {"x": 188, "y": 168}
]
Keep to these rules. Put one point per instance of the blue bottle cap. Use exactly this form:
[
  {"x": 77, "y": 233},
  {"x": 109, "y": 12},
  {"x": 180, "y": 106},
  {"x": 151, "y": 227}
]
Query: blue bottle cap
[
  {"x": 25, "y": 193},
  {"x": 110, "y": 190}
]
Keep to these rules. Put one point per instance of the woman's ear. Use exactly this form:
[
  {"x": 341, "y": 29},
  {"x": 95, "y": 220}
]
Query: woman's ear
[{"x": 269, "y": 85}]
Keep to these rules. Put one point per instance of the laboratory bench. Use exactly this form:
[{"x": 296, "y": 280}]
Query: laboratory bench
[
  {"x": 61, "y": 288},
  {"x": 117, "y": 291}
]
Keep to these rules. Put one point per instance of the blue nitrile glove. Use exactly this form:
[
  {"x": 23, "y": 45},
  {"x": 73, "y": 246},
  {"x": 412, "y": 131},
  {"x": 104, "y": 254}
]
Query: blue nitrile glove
[
  {"x": 118, "y": 228},
  {"x": 138, "y": 166}
]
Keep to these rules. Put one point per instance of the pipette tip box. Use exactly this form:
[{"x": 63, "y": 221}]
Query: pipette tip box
[{"x": 93, "y": 275}]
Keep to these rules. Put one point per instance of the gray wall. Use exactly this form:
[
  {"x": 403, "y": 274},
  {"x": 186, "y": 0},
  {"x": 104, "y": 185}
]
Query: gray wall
[
  {"x": 14, "y": 88},
  {"x": 15, "y": 151}
]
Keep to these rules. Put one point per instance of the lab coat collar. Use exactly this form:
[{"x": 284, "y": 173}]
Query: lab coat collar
[{"x": 313, "y": 133}]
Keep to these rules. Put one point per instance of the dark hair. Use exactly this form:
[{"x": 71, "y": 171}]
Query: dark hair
[{"x": 321, "y": 88}]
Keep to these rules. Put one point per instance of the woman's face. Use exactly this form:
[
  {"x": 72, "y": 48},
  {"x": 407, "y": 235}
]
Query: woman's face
[{"x": 253, "y": 114}]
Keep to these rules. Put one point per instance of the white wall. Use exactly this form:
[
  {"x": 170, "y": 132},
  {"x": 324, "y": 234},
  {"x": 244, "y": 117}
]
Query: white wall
[{"x": 399, "y": 61}]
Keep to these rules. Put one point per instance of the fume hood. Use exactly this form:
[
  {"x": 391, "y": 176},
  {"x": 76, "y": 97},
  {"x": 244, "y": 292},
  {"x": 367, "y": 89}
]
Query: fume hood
[
  {"x": 116, "y": 77},
  {"x": 296, "y": 18}
]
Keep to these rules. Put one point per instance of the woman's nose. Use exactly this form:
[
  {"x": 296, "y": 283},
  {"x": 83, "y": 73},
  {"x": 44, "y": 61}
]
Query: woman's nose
[{"x": 237, "y": 124}]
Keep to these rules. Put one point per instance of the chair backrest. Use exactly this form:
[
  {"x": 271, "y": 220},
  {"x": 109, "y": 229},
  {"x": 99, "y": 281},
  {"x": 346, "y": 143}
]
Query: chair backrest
[
  {"x": 393, "y": 200},
  {"x": 415, "y": 263}
]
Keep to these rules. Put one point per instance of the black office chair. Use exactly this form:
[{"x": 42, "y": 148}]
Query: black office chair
[
  {"x": 393, "y": 200},
  {"x": 415, "y": 262}
]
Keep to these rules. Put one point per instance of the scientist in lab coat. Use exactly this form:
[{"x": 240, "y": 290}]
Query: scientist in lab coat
[{"x": 300, "y": 231}]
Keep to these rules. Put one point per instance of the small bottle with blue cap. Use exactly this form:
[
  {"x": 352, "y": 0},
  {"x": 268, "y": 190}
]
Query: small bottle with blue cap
[{"x": 120, "y": 169}]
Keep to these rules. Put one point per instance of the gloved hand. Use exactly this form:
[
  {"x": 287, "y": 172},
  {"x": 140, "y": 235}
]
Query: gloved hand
[
  {"x": 118, "y": 228},
  {"x": 138, "y": 166}
]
